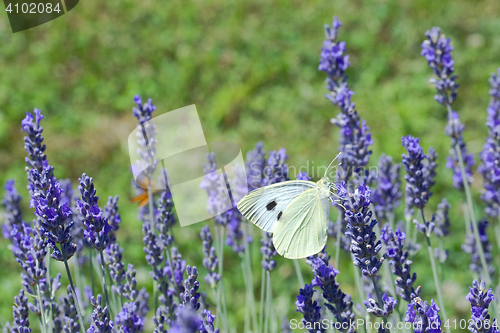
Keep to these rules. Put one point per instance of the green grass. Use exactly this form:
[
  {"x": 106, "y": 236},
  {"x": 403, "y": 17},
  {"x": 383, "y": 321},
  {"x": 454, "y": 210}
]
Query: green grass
[{"x": 251, "y": 69}]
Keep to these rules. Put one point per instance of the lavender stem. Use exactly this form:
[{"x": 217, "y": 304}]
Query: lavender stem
[
  {"x": 104, "y": 283},
  {"x": 298, "y": 272},
  {"x": 77, "y": 304},
  {"x": 435, "y": 274}
]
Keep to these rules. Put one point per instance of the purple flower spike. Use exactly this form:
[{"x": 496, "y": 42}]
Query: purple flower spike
[
  {"x": 255, "y": 164},
  {"x": 187, "y": 322},
  {"x": 490, "y": 156},
  {"x": 425, "y": 317},
  {"x": 364, "y": 244},
  {"x": 303, "y": 176},
  {"x": 129, "y": 320},
  {"x": 209, "y": 323},
  {"x": 143, "y": 111},
  {"x": 101, "y": 322},
  {"x": 437, "y": 50},
  {"x": 309, "y": 309},
  {"x": 419, "y": 172},
  {"x": 33, "y": 141},
  {"x": 374, "y": 308},
  {"x": 471, "y": 247},
  {"x": 387, "y": 195},
  {"x": 13, "y": 213},
  {"x": 210, "y": 261},
  {"x": 398, "y": 258},
  {"x": 268, "y": 252},
  {"x": 454, "y": 130},
  {"x": 190, "y": 296},
  {"x": 355, "y": 136},
  {"x": 480, "y": 299},
  {"x": 336, "y": 300},
  {"x": 20, "y": 311},
  {"x": 276, "y": 170},
  {"x": 70, "y": 315},
  {"x": 98, "y": 228}
]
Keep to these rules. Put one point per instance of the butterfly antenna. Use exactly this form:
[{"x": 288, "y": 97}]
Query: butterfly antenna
[{"x": 328, "y": 168}]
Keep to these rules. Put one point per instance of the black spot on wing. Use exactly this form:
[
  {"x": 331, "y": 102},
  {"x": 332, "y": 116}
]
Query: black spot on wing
[
  {"x": 279, "y": 215},
  {"x": 271, "y": 205}
]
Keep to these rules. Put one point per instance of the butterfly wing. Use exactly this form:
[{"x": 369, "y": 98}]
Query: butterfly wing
[
  {"x": 265, "y": 206},
  {"x": 302, "y": 230}
]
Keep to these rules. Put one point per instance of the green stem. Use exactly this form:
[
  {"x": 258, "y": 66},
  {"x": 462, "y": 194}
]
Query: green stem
[
  {"x": 262, "y": 293},
  {"x": 217, "y": 301},
  {"x": 360, "y": 292},
  {"x": 468, "y": 195},
  {"x": 337, "y": 241},
  {"x": 105, "y": 284},
  {"x": 248, "y": 264},
  {"x": 92, "y": 283},
  {"x": 42, "y": 312},
  {"x": 435, "y": 274},
  {"x": 268, "y": 301},
  {"x": 72, "y": 286},
  {"x": 298, "y": 272},
  {"x": 247, "y": 297}
]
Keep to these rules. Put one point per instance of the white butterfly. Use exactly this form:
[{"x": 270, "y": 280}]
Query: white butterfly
[{"x": 295, "y": 211}]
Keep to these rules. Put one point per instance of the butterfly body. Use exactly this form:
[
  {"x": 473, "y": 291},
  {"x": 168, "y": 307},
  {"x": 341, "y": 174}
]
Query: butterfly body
[{"x": 296, "y": 212}]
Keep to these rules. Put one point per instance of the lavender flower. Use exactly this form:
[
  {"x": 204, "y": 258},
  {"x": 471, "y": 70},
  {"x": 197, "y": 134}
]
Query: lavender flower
[
  {"x": 425, "y": 317},
  {"x": 98, "y": 228},
  {"x": 255, "y": 164},
  {"x": 161, "y": 272},
  {"x": 20, "y": 311},
  {"x": 355, "y": 136},
  {"x": 111, "y": 214},
  {"x": 13, "y": 213},
  {"x": 336, "y": 300},
  {"x": 71, "y": 324},
  {"x": 387, "y": 308},
  {"x": 216, "y": 187},
  {"x": 101, "y": 322},
  {"x": 33, "y": 143},
  {"x": 470, "y": 247},
  {"x": 442, "y": 220},
  {"x": 437, "y": 50},
  {"x": 303, "y": 176},
  {"x": 190, "y": 296},
  {"x": 161, "y": 322},
  {"x": 187, "y": 321},
  {"x": 209, "y": 323},
  {"x": 323, "y": 255},
  {"x": 129, "y": 320},
  {"x": 418, "y": 177},
  {"x": 268, "y": 252},
  {"x": 387, "y": 195},
  {"x": 143, "y": 111},
  {"x": 480, "y": 299},
  {"x": 454, "y": 130},
  {"x": 276, "y": 170},
  {"x": 210, "y": 261},
  {"x": 165, "y": 218},
  {"x": 401, "y": 267},
  {"x": 53, "y": 219},
  {"x": 490, "y": 155},
  {"x": 309, "y": 309},
  {"x": 29, "y": 249},
  {"x": 364, "y": 244}
]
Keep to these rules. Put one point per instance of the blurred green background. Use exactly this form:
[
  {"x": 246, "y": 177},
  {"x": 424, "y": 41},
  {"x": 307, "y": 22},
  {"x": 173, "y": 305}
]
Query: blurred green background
[{"x": 251, "y": 69}]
